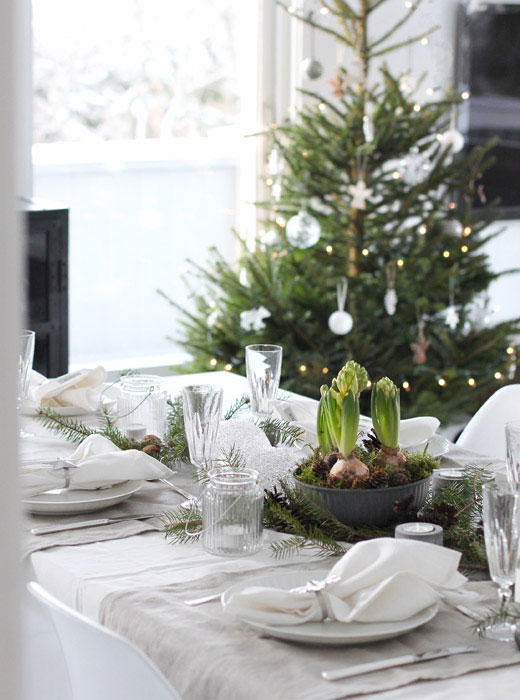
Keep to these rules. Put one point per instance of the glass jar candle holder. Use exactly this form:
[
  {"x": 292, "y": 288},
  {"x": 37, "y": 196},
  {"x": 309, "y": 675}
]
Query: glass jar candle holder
[
  {"x": 232, "y": 505},
  {"x": 141, "y": 406}
]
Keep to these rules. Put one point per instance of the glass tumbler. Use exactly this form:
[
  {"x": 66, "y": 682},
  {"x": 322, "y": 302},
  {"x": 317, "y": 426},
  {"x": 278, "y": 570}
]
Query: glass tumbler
[
  {"x": 502, "y": 537},
  {"x": 25, "y": 362},
  {"x": 513, "y": 451},
  {"x": 263, "y": 368},
  {"x": 202, "y": 414},
  {"x": 141, "y": 405},
  {"x": 232, "y": 505}
]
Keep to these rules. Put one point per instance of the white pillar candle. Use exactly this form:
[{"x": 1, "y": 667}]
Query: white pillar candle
[
  {"x": 424, "y": 532},
  {"x": 441, "y": 478}
]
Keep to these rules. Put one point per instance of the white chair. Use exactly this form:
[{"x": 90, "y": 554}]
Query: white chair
[
  {"x": 485, "y": 433},
  {"x": 102, "y": 665}
]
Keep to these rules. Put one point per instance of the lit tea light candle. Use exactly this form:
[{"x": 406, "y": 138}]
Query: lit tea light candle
[
  {"x": 441, "y": 478},
  {"x": 135, "y": 431},
  {"x": 424, "y": 532}
]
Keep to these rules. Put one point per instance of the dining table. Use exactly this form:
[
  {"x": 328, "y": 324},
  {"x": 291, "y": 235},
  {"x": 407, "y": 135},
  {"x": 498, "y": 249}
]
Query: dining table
[{"x": 129, "y": 577}]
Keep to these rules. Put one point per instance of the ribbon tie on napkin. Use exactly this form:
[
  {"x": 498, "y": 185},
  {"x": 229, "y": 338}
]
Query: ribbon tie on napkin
[
  {"x": 380, "y": 580},
  {"x": 303, "y": 413},
  {"x": 79, "y": 389},
  {"x": 96, "y": 463}
]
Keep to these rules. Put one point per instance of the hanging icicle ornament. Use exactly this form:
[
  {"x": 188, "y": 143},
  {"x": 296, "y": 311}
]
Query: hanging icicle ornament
[
  {"x": 340, "y": 322},
  {"x": 421, "y": 345},
  {"x": 390, "y": 300},
  {"x": 310, "y": 67},
  {"x": 452, "y": 227},
  {"x": 451, "y": 315},
  {"x": 275, "y": 163},
  {"x": 253, "y": 320},
  {"x": 303, "y": 230},
  {"x": 368, "y": 123}
]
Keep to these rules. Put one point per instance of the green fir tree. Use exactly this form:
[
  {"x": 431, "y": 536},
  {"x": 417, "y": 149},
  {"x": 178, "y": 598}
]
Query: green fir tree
[{"x": 417, "y": 232}]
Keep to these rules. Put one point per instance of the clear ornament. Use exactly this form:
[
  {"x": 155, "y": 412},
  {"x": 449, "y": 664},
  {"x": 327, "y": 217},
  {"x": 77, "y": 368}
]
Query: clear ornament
[
  {"x": 303, "y": 230},
  {"x": 390, "y": 301},
  {"x": 311, "y": 68},
  {"x": 340, "y": 322},
  {"x": 452, "y": 227}
]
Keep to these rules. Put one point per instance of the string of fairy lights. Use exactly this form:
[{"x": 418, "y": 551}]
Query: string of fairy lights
[{"x": 422, "y": 229}]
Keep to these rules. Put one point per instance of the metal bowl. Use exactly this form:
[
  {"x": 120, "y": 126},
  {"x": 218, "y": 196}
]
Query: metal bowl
[{"x": 366, "y": 506}]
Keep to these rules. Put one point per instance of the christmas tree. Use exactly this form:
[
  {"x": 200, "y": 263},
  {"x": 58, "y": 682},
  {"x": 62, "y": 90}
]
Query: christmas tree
[{"x": 372, "y": 247}]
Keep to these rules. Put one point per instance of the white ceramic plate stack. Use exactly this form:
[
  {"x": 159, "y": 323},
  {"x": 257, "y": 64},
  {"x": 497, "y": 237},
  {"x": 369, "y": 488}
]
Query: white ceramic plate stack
[
  {"x": 329, "y": 631},
  {"x": 65, "y": 501}
]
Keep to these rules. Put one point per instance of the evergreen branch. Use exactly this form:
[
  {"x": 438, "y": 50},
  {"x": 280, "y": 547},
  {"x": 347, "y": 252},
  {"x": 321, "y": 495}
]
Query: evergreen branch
[
  {"x": 280, "y": 431},
  {"x": 406, "y": 42},
  {"x": 497, "y": 616},
  {"x": 72, "y": 430},
  {"x": 244, "y": 400}
]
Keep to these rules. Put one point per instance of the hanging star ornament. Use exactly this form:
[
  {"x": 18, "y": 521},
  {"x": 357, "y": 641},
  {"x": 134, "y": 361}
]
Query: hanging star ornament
[
  {"x": 338, "y": 86},
  {"x": 360, "y": 193},
  {"x": 419, "y": 348},
  {"x": 253, "y": 319}
]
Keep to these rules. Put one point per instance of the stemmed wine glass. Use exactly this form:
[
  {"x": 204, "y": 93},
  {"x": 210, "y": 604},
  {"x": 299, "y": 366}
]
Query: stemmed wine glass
[
  {"x": 25, "y": 363},
  {"x": 502, "y": 537}
]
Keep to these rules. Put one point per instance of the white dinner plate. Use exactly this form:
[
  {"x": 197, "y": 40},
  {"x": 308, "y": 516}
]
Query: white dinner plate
[
  {"x": 329, "y": 631},
  {"x": 30, "y": 408},
  {"x": 64, "y": 501},
  {"x": 437, "y": 446}
]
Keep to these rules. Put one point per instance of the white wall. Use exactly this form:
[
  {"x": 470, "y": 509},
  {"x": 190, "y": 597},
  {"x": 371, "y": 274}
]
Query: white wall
[
  {"x": 9, "y": 279},
  {"x": 437, "y": 58}
]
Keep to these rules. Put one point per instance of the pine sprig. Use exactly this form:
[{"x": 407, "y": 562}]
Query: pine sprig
[
  {"x": 280, "y": 431},
  {"x": 69, "y": 428},
  {"x": 176, "y": 523},
  {"x": 237, "y": 406}
]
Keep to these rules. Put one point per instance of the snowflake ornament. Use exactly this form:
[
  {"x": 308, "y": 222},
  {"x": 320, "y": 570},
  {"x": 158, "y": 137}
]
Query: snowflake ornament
[{"x": 253, "y": 320}]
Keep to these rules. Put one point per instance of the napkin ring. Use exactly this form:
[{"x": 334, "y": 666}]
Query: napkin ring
[
  {"x": 66, "y": 466},
  {"x": 317, "y": 587}
]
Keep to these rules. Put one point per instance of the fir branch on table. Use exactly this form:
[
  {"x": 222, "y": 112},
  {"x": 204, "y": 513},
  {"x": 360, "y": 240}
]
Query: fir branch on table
[
  {"x": 69, "y": 428},
  {"x": 237, "y": 406},
  {"x": 496, "y": 616},
  {"x": 280, "y": 431},
  {"x": 176, "y": 524}
]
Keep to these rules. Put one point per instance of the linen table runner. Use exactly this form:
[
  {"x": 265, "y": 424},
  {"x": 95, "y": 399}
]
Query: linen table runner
[{"x": 208, "y": 654}]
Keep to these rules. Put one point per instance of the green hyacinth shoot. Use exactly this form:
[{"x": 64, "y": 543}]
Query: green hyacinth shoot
[
  {"x": 338, "y": 410},
  {"x": 386, "y": 412}
]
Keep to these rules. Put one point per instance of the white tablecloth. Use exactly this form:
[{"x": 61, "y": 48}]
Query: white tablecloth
[{"x": 81, "y": 576}]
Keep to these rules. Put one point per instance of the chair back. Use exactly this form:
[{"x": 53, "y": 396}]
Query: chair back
[
  {"x": 486, "y": 431},
  {"x": 101, "y": 664}
]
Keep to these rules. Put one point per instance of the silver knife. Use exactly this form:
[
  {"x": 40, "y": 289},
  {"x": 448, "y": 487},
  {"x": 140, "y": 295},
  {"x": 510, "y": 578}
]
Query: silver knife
[
  {"x": 391, "y": 663},
  {"x": 91, "y": 523}
]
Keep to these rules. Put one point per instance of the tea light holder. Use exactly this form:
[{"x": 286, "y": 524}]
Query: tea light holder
[
  {"x": 441, "y": 478},
  {"x": 423, "y": 532}
]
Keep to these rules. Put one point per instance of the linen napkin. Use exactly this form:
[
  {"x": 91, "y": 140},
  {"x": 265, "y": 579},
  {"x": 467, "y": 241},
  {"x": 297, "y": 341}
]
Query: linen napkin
[
  {"x": 80, "y": 389},
  {"x": 303, "y": 413},
  {"x": 380, "y": 580},
  {"x": 99, "y": 464}
]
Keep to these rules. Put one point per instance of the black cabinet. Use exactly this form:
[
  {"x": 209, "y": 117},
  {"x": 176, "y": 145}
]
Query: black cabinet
[{"x": 46, "y": 288}]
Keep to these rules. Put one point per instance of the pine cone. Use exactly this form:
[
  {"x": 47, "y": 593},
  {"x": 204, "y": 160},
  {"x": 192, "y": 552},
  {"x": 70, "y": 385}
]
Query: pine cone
[
  {"x": 378, "y": 479},
  {"x": 371, "y": 443},
  {"x": 332, "y": 457},
  {"x": 321, "y": 468},
  {"x": 399, "y": 477},
  {"x": 443, "y": 514}
]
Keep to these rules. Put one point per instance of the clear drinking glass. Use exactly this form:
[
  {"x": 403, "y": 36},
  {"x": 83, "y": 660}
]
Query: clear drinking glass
[
  {"x": 202, "y": 414},
  {"x": 263, "y": 368},
  {"x": 25, "y": 362},
  {"x": 502, "y": 533},
  {"x": 513, "y": 451},
  {"x": 141, "y": 405},
  {"x": 232, "y": 505}
]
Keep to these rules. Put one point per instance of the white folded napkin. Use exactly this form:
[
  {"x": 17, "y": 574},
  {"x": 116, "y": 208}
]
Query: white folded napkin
[
  {"x": 99, "y": 464},
  {"x": 80, "y": 389},
  {"x": 303, "y": 413},
  {"x": 381, "y": 580}
]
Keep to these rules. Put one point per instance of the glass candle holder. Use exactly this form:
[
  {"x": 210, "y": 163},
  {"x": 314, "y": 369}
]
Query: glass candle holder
[
  {"x": 513, "y": 451},
  {"x": 141, "y": 405},
  {"x": 232, "y": 505}
]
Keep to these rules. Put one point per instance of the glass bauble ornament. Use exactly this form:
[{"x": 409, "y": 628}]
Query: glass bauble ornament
[
  {"x": 311, "y": 68},
  {"x": 340, "y": 322},
  {"x": 453, "y": 139},
  {"x": 452, "y": 227},
  {"x": 303, "y": 230}
]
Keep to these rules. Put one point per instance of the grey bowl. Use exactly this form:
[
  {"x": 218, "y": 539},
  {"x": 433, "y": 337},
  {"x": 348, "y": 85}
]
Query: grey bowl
[{"x": 366, "y": 506}]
